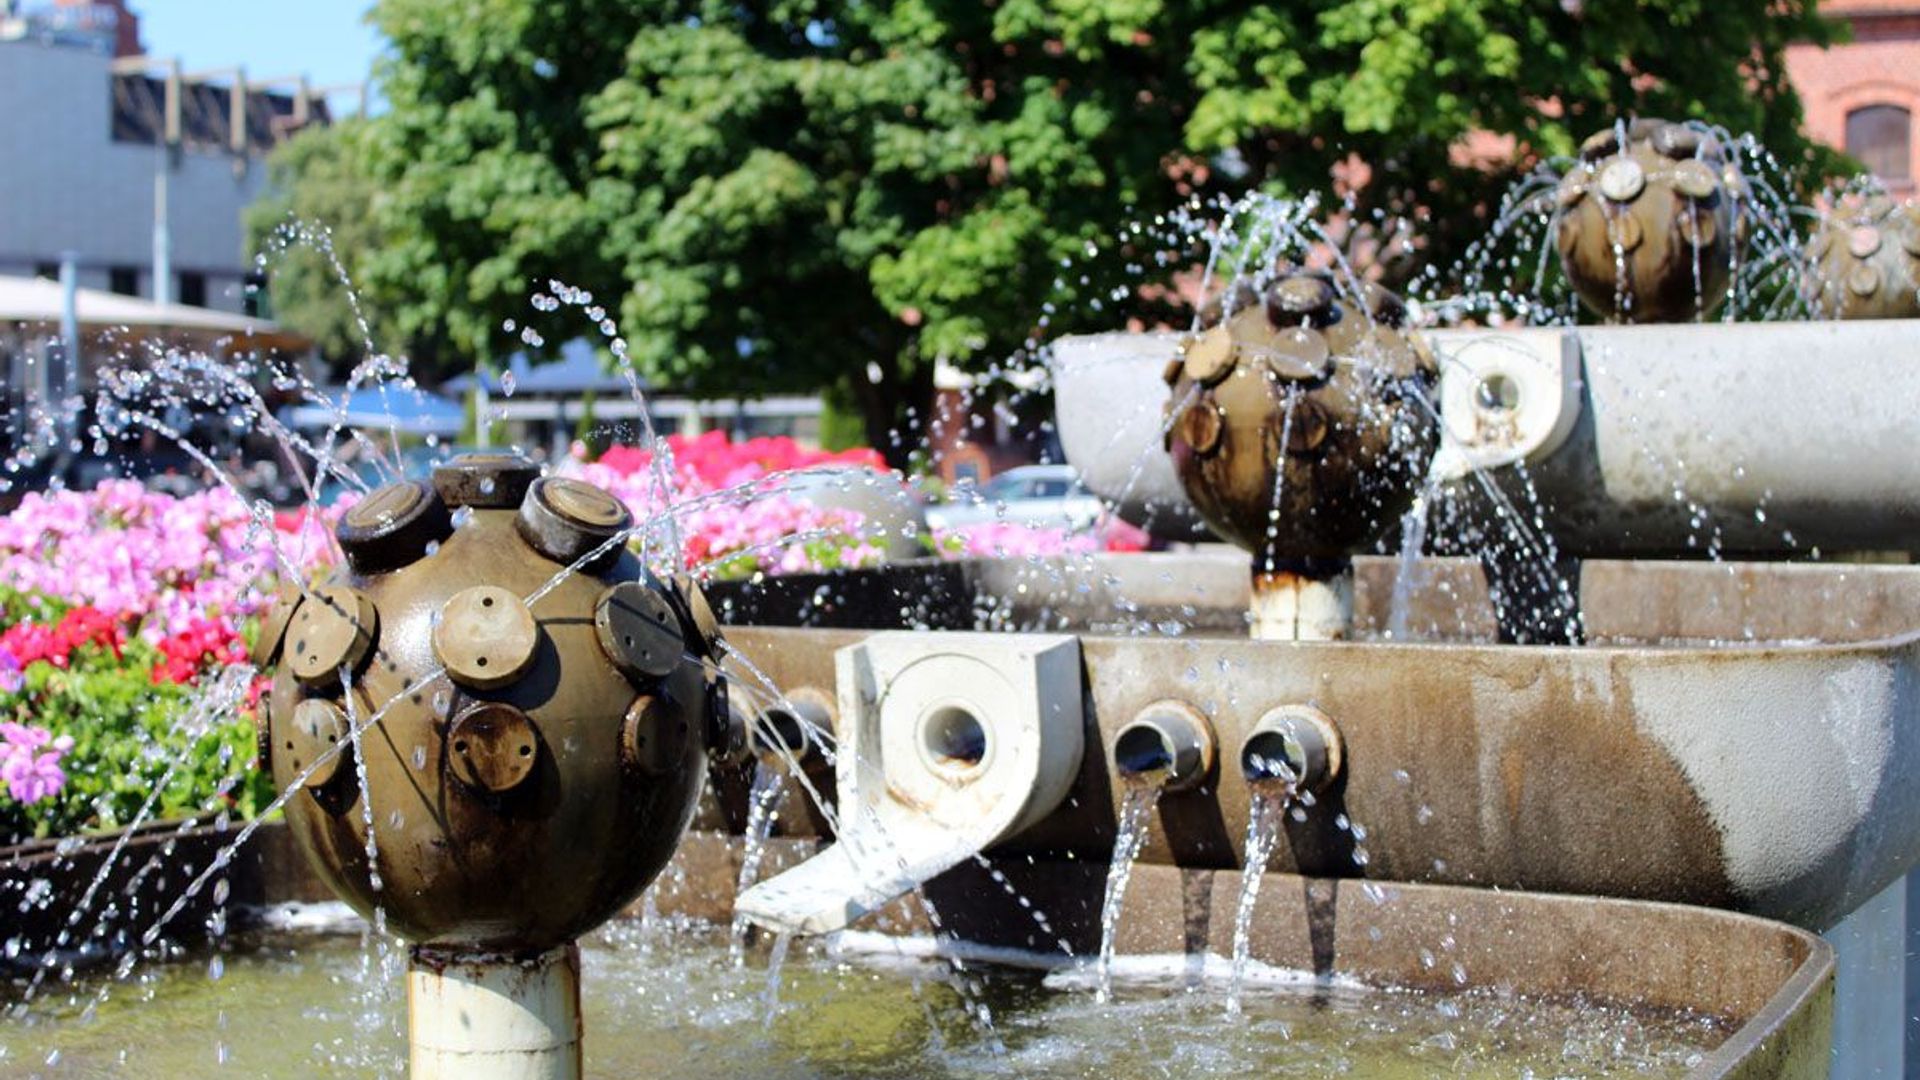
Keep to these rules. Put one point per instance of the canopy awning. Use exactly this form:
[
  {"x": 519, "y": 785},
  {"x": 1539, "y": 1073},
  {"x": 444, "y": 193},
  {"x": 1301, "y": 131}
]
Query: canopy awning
[
  {"x": 577, "y": 371},
  {"x": 38, "y": 301}
]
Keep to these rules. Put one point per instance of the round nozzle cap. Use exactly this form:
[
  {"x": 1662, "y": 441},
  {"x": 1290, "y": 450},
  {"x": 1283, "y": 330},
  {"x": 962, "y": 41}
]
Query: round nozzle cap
[
  {"x": 565, "y": 519},
  {"x": 487, "y": 481},
  {"x": 393, "y": 526}
]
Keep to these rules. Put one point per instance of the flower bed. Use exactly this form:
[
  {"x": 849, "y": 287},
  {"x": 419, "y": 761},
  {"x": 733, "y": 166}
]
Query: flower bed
[
  {"x": 736, "y": 520},
  {"x": 116, "y": 607},
  {"x": 733, "y": 519}
]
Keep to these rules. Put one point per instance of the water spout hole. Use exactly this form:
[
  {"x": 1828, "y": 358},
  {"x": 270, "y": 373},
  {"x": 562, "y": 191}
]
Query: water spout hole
[{"x": 953, "y": 739}]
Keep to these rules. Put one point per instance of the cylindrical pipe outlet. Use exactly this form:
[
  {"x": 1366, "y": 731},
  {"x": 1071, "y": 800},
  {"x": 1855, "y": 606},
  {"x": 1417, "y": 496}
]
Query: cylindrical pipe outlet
[
  {"x": 491, "y": 1017},
  {"x": 1168, "y": 743},
  {"x": 954, "y": 742},
  {"x": 800, "y": 726},
  {"x": 1293, "y": 744}
]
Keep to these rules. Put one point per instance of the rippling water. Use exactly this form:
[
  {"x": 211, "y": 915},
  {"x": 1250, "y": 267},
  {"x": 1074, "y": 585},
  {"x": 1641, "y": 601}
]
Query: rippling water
[{"x": 661, "y": 1004}]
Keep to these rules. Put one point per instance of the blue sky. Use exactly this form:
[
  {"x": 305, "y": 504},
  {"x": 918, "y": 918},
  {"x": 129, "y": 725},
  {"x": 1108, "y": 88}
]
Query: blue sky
[{"x": 328, "y": 40}]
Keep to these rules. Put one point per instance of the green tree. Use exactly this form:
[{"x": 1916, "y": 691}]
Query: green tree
[{"x": 778, "y": 194}]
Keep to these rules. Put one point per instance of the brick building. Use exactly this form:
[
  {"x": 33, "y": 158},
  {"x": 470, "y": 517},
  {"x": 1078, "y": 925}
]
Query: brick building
[{"x": 1863, "y": 96}]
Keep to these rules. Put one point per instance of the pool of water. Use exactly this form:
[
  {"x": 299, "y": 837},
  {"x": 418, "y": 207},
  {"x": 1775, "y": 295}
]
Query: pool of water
[{"x": 300, "y": 1004}]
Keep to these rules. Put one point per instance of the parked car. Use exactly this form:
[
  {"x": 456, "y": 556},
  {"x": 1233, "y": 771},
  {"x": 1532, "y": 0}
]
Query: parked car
[{"x": 1046, "y": 496}]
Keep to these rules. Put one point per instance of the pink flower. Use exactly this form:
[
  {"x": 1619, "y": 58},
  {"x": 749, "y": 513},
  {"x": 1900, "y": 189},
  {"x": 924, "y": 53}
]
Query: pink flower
[
  {"x": 756, "y": 528},
  {"x": 30, "y": 772},
  {"x": 131, "y": 553},
  {"x": 10, "y": 677},
  {"x": 31, "y": 778},
  {"x": 1011, "y": 540}
]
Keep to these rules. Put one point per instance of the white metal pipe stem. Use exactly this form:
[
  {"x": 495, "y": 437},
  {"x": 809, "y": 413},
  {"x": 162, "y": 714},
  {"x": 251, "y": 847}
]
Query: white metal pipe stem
[
  {"x": 494, "y": 1017},
  {"x": 1297, "y": 607}
]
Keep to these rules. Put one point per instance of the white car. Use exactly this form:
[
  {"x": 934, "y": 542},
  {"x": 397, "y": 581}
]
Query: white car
[{"x": 1044, "y": 496}]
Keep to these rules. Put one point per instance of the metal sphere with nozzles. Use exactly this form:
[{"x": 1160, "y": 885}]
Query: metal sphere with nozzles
[
  {"x": 1647, "y": 221},
  {"x": 542, "y": 706},
  {"x": 1301, "y": 425},
  {"x": 1865, "y": 261}
]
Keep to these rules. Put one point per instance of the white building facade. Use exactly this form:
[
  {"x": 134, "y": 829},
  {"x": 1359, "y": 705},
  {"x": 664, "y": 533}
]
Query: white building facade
[{"x": 95, "y": 151}]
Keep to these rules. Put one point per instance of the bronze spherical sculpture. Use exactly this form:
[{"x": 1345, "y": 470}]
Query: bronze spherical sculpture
[
  {"x": 1647, "y": 222},
  {"x": 1865, "y": 261},
  {"x": 543, "y": 704},
  {"x": 1301, "y": 426}
]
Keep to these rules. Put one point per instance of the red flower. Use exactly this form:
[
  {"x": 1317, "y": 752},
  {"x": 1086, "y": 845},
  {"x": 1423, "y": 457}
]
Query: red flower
[
  {"x": 32, "y": 642},
  {"x": 203, "y": 643},
  {"x": 91, "y": 626}
]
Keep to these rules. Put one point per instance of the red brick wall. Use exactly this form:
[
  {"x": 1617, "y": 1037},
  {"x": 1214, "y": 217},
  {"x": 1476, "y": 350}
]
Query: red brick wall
[{"x": 1881, "y": 66}]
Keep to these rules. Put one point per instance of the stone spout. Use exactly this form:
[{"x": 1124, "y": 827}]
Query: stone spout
[{"x": 948, "y": 745}]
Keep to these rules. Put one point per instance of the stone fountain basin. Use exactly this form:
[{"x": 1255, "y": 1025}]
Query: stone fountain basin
[
  {"x": 1811, "y": 422},
  {"x": 1770, "y": 986},
  {"x": 1709, "y": 748},
  {"x": 1770, "y": 983}
]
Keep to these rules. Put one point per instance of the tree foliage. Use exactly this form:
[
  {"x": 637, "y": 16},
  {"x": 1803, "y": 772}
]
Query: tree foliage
[{"x": 776, "y": 194}]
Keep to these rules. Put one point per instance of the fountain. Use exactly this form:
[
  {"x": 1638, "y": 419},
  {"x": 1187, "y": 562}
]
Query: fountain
[
  {"x": 1867, "y": 260},
  {"x": 1480, "y": 784},
  {"x": 499, "y": 721},
  {"x": 1646, "y": 222},
  {"x": 1296, "y": 428}
]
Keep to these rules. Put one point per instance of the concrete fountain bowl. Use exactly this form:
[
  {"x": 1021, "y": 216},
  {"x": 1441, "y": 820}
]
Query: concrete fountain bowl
[
  {"x": 1751, "y": 998},
  {"x": 1736, "y": 735},
  {"x": 1772, "y": 704}
]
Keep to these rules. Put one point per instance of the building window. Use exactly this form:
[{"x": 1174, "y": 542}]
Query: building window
[
  {"x": 1881, "y": 137},
  {"x": 255, "y": 301},
  {"x": 193, "y": 289},
  {"x": 47, "y": 271},
  {"x": 124, "y": 280}
]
